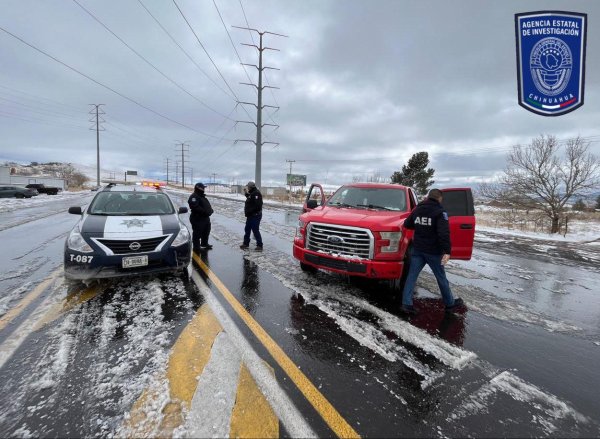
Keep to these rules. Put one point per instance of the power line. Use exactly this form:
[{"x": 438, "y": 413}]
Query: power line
[
  {"x": 207, "y": 54},
  {"x": 231, "y": 41},
  {"x": 149, "y": 63},
  {"x": 37, "y": 98},
  {"x": 183, "y": 50},
  {"x": 252, "y": 38},
  {"x": 103, "y": 85},
  {"x": 205, "y": 51},
  {"x": 42, "y": 121}
]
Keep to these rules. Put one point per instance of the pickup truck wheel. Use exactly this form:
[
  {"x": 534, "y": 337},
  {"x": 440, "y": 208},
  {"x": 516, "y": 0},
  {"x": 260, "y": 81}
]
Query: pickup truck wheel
[{"x": 307, "y": 268}]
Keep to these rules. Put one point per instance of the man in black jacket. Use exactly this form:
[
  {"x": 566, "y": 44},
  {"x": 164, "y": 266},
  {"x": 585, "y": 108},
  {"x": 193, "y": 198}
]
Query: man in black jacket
[
  {"x": 431, "y": 246},
  {"x": 200, "y": 212},
  {"x": 253, "y": 212}
]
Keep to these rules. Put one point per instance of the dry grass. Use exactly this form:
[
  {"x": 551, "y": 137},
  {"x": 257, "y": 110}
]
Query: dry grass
[{"x": 531, "y": 221}]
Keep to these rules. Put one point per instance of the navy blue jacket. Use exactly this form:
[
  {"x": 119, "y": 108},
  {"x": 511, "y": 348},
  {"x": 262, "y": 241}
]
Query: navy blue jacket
[
  {"x": 200, "y": 207},
  {"x": 430, "y": 223},
  {"x": 254, "y": 203}
]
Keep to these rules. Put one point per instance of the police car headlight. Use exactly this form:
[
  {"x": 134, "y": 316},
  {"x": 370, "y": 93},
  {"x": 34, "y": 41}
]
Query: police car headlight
[
  {"x": 77, "y": 243},
  {"x": 394, "y": 240},
  {"x": 182, "y": 237}
]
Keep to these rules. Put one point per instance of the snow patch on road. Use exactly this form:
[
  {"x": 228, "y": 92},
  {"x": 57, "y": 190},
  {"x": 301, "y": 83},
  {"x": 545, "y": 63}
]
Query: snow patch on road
[
  {"x": 549, "y": 409},
  {"x": 13, "y": 296}
]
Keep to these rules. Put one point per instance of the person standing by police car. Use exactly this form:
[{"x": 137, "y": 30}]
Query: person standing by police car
[
  {"x": 431, "y": 246},
  {"x": 200, "y": 212},
  {"x": 253, "y": 213}
]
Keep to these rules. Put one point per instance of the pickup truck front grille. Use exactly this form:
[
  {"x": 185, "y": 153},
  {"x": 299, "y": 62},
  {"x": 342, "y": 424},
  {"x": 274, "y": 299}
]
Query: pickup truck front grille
[{"x": 340, "y": 240}]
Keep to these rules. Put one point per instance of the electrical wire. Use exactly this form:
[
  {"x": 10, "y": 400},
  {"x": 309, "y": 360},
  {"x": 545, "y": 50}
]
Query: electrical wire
[
  {"x": 183, "y": 50},
  {"x": 101, "y": 84},
  {"x": 179, "y": 86}
]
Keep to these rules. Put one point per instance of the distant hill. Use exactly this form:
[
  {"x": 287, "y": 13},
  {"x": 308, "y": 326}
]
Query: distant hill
[{"x": 56, "y": 169}]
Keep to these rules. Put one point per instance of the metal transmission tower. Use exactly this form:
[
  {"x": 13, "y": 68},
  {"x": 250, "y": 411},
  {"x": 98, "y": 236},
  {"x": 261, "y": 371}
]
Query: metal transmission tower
[
  {"x": 182, "y": 147},
  {"x": 167, "y": 166},
  {"x": 97, "y": 120},
  {"x": 259, "y": 105}
]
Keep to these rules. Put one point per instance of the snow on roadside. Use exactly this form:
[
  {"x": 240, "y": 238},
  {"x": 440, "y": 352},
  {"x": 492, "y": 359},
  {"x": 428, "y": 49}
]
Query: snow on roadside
[{"x": 10, "y": 204}]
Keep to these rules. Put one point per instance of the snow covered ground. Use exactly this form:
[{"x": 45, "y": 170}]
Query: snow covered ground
[{"x": 11, "y": 204}]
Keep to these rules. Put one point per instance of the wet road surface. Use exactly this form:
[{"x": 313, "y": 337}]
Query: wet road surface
[{"x": 521, "y": 361}]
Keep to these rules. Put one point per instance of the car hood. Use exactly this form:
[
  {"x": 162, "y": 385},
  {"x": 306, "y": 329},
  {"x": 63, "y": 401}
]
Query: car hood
[
  {"x": 134, "y": 227},
  {"x": 366, "y": 218}
]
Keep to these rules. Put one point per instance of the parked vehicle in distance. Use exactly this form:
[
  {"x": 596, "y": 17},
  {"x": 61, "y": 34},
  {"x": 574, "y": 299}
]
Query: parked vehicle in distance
[
  {"x": 17, "y": 192},
  {"x": 127, "y": 230},
  {"x": 359, "y": 230},
  {"x": 43, "y": 189}
]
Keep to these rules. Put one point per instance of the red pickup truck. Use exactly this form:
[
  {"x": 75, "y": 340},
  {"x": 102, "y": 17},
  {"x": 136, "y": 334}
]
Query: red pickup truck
[{"x": 359, "y": 230}]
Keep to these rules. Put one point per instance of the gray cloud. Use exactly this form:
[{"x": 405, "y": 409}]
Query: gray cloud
[{"x": 363, "y": 85}]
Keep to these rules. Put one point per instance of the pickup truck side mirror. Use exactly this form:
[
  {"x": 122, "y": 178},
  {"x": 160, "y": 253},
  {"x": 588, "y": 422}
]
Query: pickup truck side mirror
[
  {"x": 75, "y": 210},
  {"x": 312, "y": 204},
  {"x": 182, "y": 210}
]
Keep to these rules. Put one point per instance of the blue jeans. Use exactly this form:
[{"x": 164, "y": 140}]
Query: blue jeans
[
  {"x": 253, "y": 224},
  {"x": 418, "y": 259}
]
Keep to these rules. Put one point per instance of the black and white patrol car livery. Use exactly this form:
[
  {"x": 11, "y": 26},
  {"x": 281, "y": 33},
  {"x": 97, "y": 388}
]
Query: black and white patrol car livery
[{"x": 127, "y": 230}]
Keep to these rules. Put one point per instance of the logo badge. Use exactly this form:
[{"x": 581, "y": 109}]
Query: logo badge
[
  {"x": 134, "y": 223},
  {"x": 135, "y": 246},
  {"x": 335, "y": 239},
  {"x": 551, "y": 61}
]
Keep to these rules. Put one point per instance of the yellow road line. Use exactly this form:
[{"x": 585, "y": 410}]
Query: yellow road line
[
  {"x": 34, "y": 294},
  {"x": 68, "y": 303},
  {"x": 329, "y": 414},
  {"x": 252, "y": 415},
  {"x": 189, "y": 356}
]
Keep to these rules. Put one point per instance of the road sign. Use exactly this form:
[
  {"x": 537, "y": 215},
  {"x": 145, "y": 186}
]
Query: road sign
[{"x": 296, "y": 180}]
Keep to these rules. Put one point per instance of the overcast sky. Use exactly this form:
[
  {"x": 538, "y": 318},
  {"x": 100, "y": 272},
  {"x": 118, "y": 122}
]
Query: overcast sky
[{"x": 363, "y": 85}]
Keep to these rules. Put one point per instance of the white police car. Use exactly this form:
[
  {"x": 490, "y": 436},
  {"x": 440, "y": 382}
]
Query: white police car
[{"x": 127, "y": 230}]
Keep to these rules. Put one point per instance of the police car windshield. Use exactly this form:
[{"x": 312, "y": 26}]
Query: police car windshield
[
  {"x": 131, "y": 203},
  {"x": 369, "y": 198}
]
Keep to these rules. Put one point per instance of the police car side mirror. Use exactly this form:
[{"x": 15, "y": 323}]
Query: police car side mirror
[
  {"x": 182, "y": 210},
  {"x": 75, "y": 210}
]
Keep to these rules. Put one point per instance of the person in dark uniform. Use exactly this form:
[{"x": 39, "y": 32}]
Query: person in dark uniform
[
  {"x": 253, "y": 212},
  {"x": 431, "y": 246},
  {"x": 200, "y": 212}
]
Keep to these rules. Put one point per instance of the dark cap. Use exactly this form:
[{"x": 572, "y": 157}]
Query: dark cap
[
  {"x": 199, "y": 186},
  {"x": 251, "y": 184}
]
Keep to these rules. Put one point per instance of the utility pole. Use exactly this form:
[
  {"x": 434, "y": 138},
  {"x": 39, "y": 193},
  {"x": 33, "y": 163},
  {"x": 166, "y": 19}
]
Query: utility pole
[
  {"x": 176, "y": 171},
  {"x": 98, "y": 111},
  {"x": 214, "y": 175},
  {"x": 290, "y": 182},
  {"x": 167, "y": 159},
  {"x": 183, "y": 148},
  {"x": 259, "y": 105}
]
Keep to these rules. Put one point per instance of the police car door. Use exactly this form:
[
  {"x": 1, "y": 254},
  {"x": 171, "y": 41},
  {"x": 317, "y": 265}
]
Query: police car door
[
  {"x": 314, "y": 198},
  {"x": 458, "y": 203}
]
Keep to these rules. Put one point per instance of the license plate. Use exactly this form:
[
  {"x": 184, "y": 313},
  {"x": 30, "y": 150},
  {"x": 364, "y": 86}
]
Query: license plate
[{"x": 135, "y": 261}]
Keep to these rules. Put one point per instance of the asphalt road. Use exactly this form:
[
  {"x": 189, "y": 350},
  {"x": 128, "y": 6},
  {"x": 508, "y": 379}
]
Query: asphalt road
[{"x": 110, "y": 358}]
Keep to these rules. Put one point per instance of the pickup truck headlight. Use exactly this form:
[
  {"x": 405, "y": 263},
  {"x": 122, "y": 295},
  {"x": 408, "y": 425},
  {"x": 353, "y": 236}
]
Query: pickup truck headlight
[
  {"x": 299, "y": 227},
  {"x": 77, "y": 243},
  {"x": 394, "y": 240},
  {"x": 182, "y": 237}
]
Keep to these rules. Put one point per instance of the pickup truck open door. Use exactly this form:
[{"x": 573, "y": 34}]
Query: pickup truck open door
[
  {"x": 314, "y": 198},
  {"x": 458, "y": 203}
]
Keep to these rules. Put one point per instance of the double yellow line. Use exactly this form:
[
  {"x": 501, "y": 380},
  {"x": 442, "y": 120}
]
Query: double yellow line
[{"x": 326, "y": 410}]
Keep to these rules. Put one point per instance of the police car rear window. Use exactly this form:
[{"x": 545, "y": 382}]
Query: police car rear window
[{"x": 131, "y": 203}]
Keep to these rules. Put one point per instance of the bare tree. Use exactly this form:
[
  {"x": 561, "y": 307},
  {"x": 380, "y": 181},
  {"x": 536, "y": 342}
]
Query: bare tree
[
  {"x": 72, "y": 176},
  {"x": 537, "y": 179}
]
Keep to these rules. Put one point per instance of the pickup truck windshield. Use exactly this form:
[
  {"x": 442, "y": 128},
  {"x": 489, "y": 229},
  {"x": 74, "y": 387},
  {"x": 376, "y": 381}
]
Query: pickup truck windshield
[
  {"x": 369, "y": 198},
  {"x": 131, "y": 203}
]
